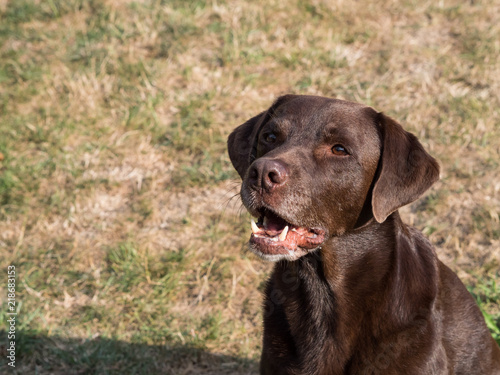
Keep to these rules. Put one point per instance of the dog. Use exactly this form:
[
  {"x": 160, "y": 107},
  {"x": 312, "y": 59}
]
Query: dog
[{"x": 354, "y": 290}]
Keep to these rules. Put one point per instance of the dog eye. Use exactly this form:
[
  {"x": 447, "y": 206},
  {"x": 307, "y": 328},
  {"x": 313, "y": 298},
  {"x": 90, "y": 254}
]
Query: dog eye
[
  {"x": 339, "y": 150},
  {"x": 270, "y": 137}
]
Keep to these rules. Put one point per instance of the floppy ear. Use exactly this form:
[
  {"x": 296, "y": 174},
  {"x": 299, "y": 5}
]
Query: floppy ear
[
  {"x": 242, "y": 142},
  {"x": 406, "y": 170}
]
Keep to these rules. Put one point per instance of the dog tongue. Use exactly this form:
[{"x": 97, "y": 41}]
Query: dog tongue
[
  {"x": 273, "y": 234},
  {"x": 273, "y": 224}
]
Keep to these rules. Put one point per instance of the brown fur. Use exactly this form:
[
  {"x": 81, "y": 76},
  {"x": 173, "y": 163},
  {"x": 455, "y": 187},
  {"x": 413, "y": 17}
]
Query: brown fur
[{"x": 373, "y": 298}]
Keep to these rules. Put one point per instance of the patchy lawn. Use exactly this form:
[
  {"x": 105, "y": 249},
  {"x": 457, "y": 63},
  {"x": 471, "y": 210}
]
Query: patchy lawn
[{"x": 118, "y": 203}]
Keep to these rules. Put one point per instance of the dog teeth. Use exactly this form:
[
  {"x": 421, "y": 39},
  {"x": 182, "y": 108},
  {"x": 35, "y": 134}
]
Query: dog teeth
[
  {"x": 265, "y": 221},
  {"x": 283, "y": 234},
  {"x": 255, "y": 228}
]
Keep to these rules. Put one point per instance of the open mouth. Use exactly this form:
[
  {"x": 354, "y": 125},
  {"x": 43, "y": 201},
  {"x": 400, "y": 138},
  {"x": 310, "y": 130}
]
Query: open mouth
[{"x": 273, "y": 238}]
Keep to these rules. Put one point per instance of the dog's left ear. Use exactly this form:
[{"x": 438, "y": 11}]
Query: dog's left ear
[{"x": 406, "y": 170}]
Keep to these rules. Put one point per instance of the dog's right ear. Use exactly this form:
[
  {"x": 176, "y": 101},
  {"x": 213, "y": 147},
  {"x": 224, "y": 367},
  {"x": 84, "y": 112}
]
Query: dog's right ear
[{"x": 242, "y": 142}]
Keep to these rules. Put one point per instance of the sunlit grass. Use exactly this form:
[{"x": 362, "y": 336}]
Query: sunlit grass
[{"x": 118, "y": 203}]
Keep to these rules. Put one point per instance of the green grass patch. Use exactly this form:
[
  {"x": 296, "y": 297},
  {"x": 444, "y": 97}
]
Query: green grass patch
[
  {"x": 487, "y": 295},
  {"x": 113, "y": 356}
]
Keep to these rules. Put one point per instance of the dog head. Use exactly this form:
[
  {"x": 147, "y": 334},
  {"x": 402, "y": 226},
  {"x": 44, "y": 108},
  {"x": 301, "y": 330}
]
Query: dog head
[{"x": 315, "y": 167}]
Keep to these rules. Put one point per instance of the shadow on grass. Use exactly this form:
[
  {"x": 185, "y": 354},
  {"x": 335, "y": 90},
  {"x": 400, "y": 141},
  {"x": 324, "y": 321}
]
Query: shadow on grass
[{"x": 39, "y": 354}]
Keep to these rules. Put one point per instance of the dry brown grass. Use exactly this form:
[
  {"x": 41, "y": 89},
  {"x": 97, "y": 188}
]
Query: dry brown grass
[{"x": 116, "y": 188}]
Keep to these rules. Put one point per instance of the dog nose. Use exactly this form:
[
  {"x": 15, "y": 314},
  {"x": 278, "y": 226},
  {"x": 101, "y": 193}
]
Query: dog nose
[{"x": 268, "y": 174}]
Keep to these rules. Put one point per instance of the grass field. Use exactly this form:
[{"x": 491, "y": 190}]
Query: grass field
[{"x": 118, "y": 203}]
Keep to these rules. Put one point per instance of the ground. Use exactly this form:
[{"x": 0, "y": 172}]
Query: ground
[{"x": 119, "y": 207}]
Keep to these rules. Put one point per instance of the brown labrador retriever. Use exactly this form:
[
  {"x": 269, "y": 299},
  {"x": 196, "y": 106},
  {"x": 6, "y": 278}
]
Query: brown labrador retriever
[{"x": 354, "y": 290}]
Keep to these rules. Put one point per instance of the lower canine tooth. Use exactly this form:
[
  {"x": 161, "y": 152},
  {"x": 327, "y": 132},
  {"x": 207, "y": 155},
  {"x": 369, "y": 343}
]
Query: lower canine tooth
[{"x": 283, "y": 234}]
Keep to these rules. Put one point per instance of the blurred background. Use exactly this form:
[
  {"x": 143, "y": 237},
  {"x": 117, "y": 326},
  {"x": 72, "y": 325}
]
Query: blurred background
[{"x": 118, "y": 203}]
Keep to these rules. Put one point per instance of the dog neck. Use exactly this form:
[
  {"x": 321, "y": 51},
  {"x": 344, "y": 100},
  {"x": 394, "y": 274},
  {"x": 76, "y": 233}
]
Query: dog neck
[{"x": 329, "y": 298}]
